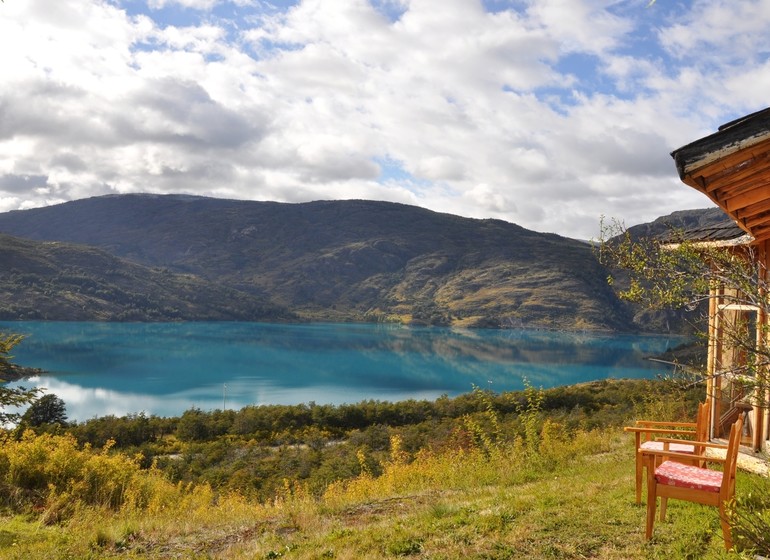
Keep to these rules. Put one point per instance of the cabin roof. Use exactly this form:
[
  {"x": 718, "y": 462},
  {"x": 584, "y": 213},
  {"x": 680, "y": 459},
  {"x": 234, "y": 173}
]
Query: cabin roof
[
  {"x": 732, "y": 168},
  {"x": 723, "y": 234}
]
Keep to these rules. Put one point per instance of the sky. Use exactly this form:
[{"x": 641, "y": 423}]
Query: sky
[{"x": 550, "y": 114}]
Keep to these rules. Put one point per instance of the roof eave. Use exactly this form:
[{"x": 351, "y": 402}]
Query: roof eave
[
  {"x": 730, "y": 138},
  {"x": 722, "y": 243}
]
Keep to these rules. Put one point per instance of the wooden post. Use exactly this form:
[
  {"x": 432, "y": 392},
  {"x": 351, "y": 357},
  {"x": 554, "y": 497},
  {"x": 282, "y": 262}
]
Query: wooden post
[
  {"x": 711, "y": 359},
  {"x": 716, "y": 381},
  {"x": 760, "y": 400}
]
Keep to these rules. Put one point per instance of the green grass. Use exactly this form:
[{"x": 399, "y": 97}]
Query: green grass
[{"x": 574, "y": 500}]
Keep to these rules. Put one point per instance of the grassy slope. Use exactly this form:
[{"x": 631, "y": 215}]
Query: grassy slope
[{"x": 459, "y": 506}]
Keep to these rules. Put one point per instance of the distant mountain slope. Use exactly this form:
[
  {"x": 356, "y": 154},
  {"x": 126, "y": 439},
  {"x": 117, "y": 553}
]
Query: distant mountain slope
[
  {"x": 348, "y": 260},
  {"x": 680, "y": 220},
  {"x": 56, "y": 281}
]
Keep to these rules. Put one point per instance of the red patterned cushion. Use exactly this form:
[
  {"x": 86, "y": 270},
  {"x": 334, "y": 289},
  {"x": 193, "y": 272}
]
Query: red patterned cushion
[
  {"x": 676, "y": 447},
  {"x": 687, "y": 476}
]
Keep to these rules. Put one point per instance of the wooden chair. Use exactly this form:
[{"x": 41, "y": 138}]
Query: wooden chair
[
  {"x": 646, "y": 432},
  {"x": 672, "y": 479}
]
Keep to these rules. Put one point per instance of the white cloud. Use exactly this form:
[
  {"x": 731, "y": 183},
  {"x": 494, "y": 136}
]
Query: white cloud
[
  {"x": 546, "y": 113},
  {"x": 195, "y": 4},
  {"x": 738, "y": 30},
  {"x": 586, "y": 26}
]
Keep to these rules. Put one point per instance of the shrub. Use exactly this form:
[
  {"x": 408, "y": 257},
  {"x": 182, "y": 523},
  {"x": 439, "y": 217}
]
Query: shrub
[{"x": 53, "y": 475}]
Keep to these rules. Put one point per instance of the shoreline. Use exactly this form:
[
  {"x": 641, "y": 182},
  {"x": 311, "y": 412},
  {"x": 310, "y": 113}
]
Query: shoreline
[{"x": 17, "y": 373}]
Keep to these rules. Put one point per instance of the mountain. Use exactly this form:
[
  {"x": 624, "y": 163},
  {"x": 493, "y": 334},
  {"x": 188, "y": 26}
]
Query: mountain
[
  {"x": 341, "y": 260},
  {"x": 680, "y": 220},
  {"x": 61, "y": 281}
]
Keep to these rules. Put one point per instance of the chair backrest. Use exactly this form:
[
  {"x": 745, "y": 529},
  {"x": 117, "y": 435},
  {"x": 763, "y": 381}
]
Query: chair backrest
[
  {"x": 702, "y": 425},
  {"x": 702, "y": 421},
  {"x": 731, "y": 459}
]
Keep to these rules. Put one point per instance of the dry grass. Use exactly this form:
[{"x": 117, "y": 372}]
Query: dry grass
[{"x": 574, "y": 503}]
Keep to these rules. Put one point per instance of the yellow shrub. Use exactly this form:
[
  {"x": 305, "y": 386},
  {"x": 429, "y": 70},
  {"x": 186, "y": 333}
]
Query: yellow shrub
[{"x": 52, "y": 474}]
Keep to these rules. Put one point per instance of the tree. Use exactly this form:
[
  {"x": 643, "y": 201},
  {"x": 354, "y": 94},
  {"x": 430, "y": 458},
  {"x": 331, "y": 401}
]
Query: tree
[
  {"x": 683, "y": 274},
  {"x": 48, "y": 409},
  {"x": 194, "y": 425},
  {"x": 11, "y": 396}
]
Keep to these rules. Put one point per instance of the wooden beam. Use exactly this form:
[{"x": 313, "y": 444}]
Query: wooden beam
[
  {"x": 712, "y": 341},
  {"x": 758, "y": 177},
  {"x": 762, "y": 321},
  {"x": 716, "y": 380},
  {"x": 757, "y": 220},
  {"x": 753, "y": 210},
  {"x": 748, "y": 183},
  {"x": 742, "y": 172},
  {"x": 761, "y": 234},
  {"x": 747, "y": 198}
]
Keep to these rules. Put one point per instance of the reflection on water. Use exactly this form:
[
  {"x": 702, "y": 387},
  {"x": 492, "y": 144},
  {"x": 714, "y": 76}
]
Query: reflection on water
[{"x": 166, "y": 368}]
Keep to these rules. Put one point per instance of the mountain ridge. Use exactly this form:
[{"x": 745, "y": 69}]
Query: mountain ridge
[{"x": 353, "y": 260}]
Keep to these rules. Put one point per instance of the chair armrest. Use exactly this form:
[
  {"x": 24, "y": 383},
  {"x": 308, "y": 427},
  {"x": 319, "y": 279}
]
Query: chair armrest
[
  {"x": 638, "y": 429},
  {"x": 658, "y": 424}
]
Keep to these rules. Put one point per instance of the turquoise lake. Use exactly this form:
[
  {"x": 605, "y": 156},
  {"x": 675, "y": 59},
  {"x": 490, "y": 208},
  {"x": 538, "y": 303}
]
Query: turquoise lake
[{"x": 167, "y": 368}]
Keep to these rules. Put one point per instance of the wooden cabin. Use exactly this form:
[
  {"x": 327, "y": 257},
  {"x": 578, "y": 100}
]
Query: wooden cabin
[{"x": 732, "y": 168}]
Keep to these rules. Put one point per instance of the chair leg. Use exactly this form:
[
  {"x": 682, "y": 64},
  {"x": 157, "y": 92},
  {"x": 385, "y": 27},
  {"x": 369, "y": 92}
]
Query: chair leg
[
  {"x": 726, "y": 531},
  {"x": 650, "y": 516},
  {"x": 652, "y": 500},
  {"x": 655, "y": 462},
  {"x": 639, "y": 475}
]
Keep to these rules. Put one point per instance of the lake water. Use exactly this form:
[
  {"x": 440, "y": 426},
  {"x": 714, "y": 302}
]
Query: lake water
[{"x": 167, "y": 368}]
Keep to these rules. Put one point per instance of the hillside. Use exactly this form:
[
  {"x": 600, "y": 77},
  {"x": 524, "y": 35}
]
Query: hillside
[
  {"x": 54, "y": 281},
  {"x": 680, "y": 220},
  {"x": 344, "y": 260}
]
